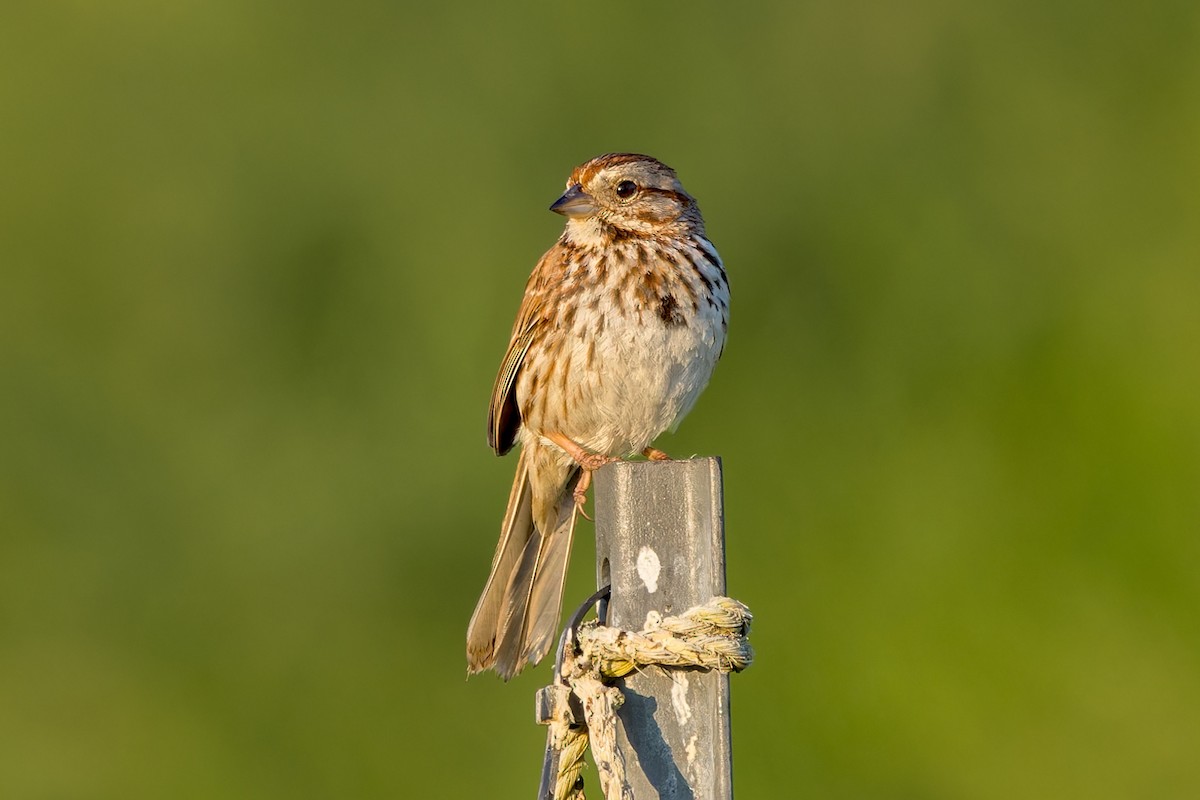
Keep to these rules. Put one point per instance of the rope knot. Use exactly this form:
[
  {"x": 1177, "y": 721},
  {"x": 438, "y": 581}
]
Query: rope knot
[{"x": 581, "y": 704}]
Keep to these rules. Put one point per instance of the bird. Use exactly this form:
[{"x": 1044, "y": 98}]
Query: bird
[{"x": 621, "y": 325}]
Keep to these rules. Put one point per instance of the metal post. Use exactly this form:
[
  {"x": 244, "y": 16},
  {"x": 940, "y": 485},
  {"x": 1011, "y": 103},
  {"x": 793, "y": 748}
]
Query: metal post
[{"x": 660, "y": 543}]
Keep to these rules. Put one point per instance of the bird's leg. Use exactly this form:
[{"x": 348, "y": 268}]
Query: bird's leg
[
  {"x": 580, "y": 495},
  {"x": 654, "y": 454},
  {"x": 588, "y": 462}
]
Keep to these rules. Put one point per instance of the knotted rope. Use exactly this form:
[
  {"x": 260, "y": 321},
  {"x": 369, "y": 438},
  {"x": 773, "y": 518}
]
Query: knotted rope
[{"x": 581, "y": 707}]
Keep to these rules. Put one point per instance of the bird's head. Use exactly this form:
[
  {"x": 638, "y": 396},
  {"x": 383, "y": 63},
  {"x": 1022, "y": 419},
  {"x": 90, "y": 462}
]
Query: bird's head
[{"x": 622, "y": 195}]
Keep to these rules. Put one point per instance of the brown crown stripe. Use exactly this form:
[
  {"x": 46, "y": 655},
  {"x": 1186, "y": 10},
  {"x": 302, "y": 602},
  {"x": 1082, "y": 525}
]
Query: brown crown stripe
[{"x": 585, "y": 172}]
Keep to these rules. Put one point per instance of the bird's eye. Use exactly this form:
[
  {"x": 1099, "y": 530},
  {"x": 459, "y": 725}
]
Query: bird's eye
[{"x": 626, "y": 189}]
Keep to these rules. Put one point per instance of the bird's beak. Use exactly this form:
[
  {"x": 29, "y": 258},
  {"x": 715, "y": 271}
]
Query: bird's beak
[{"x": 575, "y": 203}]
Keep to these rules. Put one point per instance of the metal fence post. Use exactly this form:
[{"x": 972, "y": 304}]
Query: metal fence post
[{"x": 660, "y": 543}]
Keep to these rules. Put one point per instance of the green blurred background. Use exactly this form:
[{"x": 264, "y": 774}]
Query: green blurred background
[{"x": 259, "y": 264}]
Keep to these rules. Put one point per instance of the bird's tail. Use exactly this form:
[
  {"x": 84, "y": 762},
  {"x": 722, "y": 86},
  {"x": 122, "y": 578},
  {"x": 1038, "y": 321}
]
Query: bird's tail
[{"x": 517, "y": 616}]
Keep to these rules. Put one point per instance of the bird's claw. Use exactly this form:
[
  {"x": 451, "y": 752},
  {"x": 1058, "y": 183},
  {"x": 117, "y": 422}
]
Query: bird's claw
[
  {"x": 580, "y": 500},
  {"x": 580, "y": 493}
]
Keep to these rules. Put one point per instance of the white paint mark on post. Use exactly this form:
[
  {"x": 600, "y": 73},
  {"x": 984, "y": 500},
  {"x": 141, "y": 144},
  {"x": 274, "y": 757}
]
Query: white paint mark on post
[
  {"x": 648, "y": 568},
  {"x": 679, "y": 698}
]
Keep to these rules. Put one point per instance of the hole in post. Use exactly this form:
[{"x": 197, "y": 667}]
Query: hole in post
[{"x": 605, "y": 580}]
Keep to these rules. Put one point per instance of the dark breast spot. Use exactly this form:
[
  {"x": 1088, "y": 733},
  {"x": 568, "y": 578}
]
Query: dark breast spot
[{"x": 668, "y": 310}]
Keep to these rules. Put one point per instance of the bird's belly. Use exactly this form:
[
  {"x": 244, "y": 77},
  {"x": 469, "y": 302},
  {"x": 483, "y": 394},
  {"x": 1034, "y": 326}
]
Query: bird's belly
[{"x": 642, "y": 381}]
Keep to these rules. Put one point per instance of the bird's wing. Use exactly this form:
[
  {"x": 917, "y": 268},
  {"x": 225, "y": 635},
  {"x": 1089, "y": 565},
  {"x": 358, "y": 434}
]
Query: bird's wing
[{"x": 504, "y": 417}]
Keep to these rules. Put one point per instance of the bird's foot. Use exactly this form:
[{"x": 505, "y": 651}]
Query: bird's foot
[
  {"x": 654, "y": 454},
  {"x": 594, "y": 461},
  {"x": 588, "y": 463}
]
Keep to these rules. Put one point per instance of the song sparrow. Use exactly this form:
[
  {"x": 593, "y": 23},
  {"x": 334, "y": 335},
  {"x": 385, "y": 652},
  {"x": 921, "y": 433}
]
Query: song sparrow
[{"x": 622, "y": 323}]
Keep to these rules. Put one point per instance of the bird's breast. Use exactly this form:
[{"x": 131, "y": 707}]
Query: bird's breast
[{"x": 637, "y": 348}]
